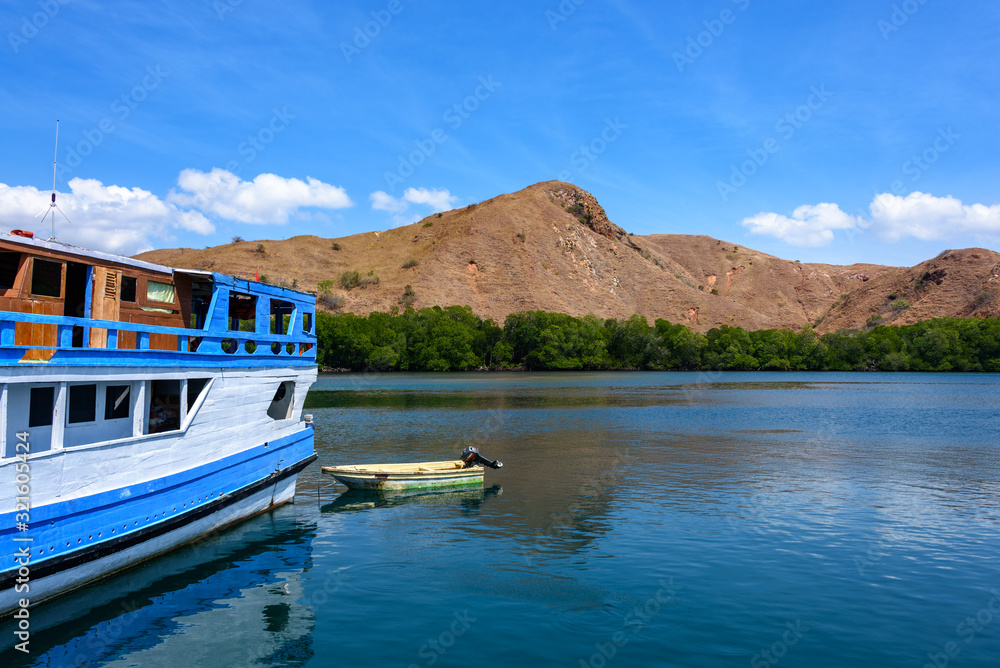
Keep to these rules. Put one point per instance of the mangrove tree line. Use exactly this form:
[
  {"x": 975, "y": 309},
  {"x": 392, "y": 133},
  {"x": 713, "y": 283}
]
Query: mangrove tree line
[{"x": 454, "y": 338}]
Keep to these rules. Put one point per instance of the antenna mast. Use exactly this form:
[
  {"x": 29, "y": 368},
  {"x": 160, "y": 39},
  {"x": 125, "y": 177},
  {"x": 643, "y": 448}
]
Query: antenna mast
[{"x": 52, "y": 204}]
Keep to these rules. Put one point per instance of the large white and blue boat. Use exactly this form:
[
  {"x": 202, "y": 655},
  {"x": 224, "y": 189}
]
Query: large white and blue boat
[{"x": 141, "y": 408}]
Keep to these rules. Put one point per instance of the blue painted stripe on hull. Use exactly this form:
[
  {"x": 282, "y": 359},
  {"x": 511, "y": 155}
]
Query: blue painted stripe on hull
[
  {"x": 126, "y": 541},
  {"x": 91, "y": 520},
  {"x": 40, "y": 569},
  {"x": 42, "y": 515},
  {"x": 92, "y": 357}
]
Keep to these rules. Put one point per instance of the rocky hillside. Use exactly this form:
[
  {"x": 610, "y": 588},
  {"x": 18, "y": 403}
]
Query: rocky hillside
[{"x": 552, "y": 247}]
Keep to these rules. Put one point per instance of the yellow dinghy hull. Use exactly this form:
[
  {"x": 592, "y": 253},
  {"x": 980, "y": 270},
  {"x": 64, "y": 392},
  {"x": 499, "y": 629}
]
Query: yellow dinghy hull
[{"x": 417, "y": 475}]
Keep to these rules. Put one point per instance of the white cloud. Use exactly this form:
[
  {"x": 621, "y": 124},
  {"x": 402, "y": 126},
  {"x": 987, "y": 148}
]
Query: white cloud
[
  {"x": 437, "y": 200},
  {"x": 893, "y": 218},
  {"x": 808, "y": 226},
  {"x": 109, "y": 218},
  {"x": 926, "y": 217},
  {"x": 383, "y": 201},
  {"x": 268, "y": 199}
]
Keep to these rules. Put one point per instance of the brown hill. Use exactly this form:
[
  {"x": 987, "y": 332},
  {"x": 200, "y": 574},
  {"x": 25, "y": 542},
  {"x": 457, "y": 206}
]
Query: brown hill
[
  {"x": 552, "y": 247},
  {"x": 957, "y": 283}
]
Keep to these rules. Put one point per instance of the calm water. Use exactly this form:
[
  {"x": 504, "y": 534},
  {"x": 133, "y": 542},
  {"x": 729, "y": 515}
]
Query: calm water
[{"x": 640, "y": 519}]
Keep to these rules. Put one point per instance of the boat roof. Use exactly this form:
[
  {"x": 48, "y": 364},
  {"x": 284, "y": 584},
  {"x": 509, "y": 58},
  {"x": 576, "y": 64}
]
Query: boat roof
[
  {"x": 242, "y": 284},
  {"x": 58, "y": 246}
]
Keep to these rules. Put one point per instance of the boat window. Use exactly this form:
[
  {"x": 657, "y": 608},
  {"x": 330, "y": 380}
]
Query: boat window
[
  {"x": 40, "y": 406},
  {"x": 82, "y": 403},
  {"x": 281, "y": 313},
  {"x": 307, "y": 323},
  {"x": 164, "y": 406},
  {"x": 46, "y": 278},
  {"x": 9, "y": 262},
  {"x": 195, "y": 387},
  {"x": 160, "y": 292},
  {"x": 129, "y": 284},
  {"x": 242, "y": 312},
  {"x": 116, "y": 402},
  {"x": 281, "y": 404}
]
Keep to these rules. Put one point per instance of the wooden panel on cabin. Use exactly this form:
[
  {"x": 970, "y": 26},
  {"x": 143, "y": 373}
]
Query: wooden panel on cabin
[
  {"x": 162, "y": 342},
  {"x": 126, "y": 340},
  {"x": 37, "y": 334},
  {"x": 105, "y": 303},
  {"x": 183, "y": 284}
]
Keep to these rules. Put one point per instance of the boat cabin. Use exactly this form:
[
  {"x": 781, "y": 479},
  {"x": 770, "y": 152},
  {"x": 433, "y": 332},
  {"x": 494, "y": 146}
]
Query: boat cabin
[
  {"x": 96, "y": 347},
  {"x": 51, "y": 279},
  {"x": 67, "y": 293}
]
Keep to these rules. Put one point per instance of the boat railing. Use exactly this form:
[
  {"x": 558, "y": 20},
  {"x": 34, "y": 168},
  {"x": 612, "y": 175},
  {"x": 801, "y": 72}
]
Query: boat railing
[{"x": 72, "y": 343}]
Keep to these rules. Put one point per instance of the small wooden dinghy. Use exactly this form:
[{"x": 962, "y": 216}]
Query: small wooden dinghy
[{"x": 468, "y": 470}]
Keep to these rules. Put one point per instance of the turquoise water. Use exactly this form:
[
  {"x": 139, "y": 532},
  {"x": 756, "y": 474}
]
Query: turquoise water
[{"x": 640, "y": 519}]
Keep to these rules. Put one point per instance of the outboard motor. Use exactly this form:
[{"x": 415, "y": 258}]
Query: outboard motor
[{"x": 471, "y": 457}]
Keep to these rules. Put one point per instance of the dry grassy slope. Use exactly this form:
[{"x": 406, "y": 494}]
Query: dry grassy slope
[
  {"x": 787, "y": 293},
  {"x": 528, "y": 250},
  {"x": 956, "y": 284}
]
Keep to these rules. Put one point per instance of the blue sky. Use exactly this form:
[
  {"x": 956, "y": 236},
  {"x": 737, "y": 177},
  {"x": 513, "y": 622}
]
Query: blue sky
[{"x": 835, "y": 132}]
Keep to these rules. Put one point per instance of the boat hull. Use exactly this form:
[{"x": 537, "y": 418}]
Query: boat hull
[{"x": 114, "y": 535}]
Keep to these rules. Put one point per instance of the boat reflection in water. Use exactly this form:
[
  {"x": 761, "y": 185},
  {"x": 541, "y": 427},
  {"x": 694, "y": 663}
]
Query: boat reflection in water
[
  {"x": 354, "y": 500},
  {"x": 237, "y": 594}
]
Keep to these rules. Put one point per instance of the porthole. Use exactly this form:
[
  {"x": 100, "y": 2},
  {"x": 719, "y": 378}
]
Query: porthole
[{"x": 281, "y": 402}]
